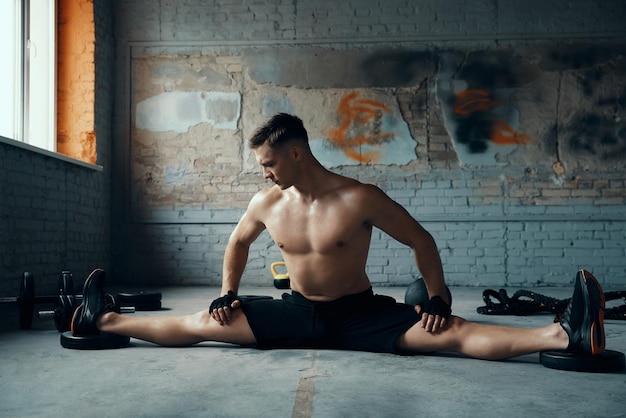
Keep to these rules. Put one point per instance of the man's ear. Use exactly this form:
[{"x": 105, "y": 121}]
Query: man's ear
[{"x": 296, "y": 152}]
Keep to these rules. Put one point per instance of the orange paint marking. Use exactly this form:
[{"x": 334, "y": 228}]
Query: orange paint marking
[
  {"x": 356, "y": 117},
  {"x": 471, "y": 101},
  {"x": 503, "y": 134}
]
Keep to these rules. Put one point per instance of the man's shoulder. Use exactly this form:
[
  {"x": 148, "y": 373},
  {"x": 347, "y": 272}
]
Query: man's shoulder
[
  {"x": 266, "y": 196},
  {"x": 260, "y": 203},
  {"x": 350, "y": 185},
  {"x": 358, "y": 195}
]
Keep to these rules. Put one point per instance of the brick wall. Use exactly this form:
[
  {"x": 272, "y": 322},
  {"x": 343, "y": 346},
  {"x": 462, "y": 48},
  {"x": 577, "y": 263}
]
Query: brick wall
[
  {"x": 75, "y": 80},
  {"x": 530, "y": 214},
  {"x": 297, "y": 21},
  {"x": 55, "y": 213},
  {"x": 55, "y": 216}
]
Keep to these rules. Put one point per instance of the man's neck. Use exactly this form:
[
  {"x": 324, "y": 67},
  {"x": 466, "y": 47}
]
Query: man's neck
[{"x": 316, "y": 180}]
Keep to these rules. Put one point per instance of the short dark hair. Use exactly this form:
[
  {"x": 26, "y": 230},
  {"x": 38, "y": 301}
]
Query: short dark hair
[{"x": 278, "y": 130}]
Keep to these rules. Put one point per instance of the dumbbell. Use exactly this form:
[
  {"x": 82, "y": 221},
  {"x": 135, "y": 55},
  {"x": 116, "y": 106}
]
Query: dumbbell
[
  {"x": 64, "y": 303},
  {"x": 64, "y": 308},
  {"x": 140, "y": 301},
  {"x": 26, "y": 300},
  {"x": 67, "y": 302}
]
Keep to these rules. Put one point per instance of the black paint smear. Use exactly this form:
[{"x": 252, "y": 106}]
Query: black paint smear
[
  {"x": 608, "y": 139},
  {"x": 496, "y": 69},
  {"x": 589, "y": 79},
  {"x": 577, "y": 57},
  {"x": 398, "y": 67},
  {"x": 584, "y": 132},
  {"x": 595, "y": 135},
  {"x": 488, "y": 76},
  {"x": 614, "y": 101},
  {"x": 474, "y": 131},
  {"x": 598, "y": 133}
]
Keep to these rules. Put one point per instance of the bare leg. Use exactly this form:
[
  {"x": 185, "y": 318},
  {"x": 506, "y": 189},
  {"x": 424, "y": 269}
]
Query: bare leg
[
  {"x": 179, "y": 330},
  {"x": 490, "y": 342}
]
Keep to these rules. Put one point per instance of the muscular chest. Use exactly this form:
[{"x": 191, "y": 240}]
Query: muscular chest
[{"x": 316, "y": 228}]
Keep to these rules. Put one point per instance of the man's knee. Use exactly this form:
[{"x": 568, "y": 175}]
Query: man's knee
[
  {"x": 456, "y": 322},
  {"x": 417, "y": 339},
  {"x": 237, "y": 330},
  {"x": 201, "y": 319}
]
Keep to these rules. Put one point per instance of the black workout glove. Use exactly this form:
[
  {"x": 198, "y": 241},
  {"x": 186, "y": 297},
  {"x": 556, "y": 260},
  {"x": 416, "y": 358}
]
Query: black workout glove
[
  {"x": 223, "y": 302},
  {"x": 436, "y": 306}
]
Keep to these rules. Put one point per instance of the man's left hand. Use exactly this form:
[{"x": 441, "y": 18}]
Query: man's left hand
[{"x": 435, "y": 313}]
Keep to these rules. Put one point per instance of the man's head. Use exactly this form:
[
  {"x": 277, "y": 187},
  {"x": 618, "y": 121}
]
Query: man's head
[
  {"x": 279, "y": 130},
  {"x": 281, "y": 147}
]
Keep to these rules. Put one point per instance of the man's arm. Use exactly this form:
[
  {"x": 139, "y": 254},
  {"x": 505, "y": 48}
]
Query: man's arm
[
  {"x": 394, "y": 220},
  {"x": 245, "y": 233},
  {"x": 236, "y": 254}
]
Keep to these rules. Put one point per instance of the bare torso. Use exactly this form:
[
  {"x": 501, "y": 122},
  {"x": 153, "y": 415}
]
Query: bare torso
[
  {"x": 324, "y": 241},
  {"x": 322, "y": 222}
]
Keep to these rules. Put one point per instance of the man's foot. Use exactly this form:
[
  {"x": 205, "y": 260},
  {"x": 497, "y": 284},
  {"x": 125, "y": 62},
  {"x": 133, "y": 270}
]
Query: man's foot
[
  {"x": 584, "y": 318},
  {"x": 95, "y": 303}
]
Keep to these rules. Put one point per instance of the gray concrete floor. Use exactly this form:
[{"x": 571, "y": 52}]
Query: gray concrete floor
[{"x": 39, "y": 378}]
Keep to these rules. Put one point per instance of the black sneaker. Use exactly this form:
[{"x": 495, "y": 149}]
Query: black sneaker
[
  {"x": 95, "y": 303},
  {"x": 584, "y": 318}
]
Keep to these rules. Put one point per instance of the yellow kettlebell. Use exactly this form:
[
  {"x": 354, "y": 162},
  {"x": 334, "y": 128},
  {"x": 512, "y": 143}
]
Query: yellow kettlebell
[{"x": 281, "y": 280}]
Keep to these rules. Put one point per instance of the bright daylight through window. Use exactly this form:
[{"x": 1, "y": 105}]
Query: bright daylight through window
[{"x": 27, "y": 80}]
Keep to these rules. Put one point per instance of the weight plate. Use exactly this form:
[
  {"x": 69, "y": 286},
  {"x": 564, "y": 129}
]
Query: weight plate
[
  {"x": 60, "y": 313},
  {"x": 66, "y": 283},
  {"x": 132, "y": 298},
  {"x": 607, "y": 362},
  {"x": 63, "y": 312},
  {"x": 93, "y": 342},
  {"x": 26, "y": 301}
]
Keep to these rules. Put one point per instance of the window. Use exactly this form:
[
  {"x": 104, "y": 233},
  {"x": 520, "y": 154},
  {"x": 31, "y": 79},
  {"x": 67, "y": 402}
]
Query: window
[
  {"x": 28, "y": 81},
  {"x": 10, "y": 84},
  {"x": 47, "y": 91}
]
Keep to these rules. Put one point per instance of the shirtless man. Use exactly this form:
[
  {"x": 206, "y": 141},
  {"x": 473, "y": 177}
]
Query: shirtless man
[{"x": 322, "y": 222}]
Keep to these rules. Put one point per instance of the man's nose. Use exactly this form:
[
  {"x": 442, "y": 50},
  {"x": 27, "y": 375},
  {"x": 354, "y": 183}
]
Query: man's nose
[{"x": 266, "y": 173}]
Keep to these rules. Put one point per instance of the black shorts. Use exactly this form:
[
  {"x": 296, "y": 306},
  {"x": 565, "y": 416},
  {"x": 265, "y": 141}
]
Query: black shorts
[{"x": 363, "y": 321}]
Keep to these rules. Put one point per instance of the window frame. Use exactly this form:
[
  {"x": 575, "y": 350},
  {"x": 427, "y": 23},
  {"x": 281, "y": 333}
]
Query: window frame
[
  {"x": 34, "y": 70},
  {"x": 18, "y": 92}
]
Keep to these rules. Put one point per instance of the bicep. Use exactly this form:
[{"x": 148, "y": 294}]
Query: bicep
[
  {"x": 249, "y": 226},
  {"x": 247, "y": 231}
]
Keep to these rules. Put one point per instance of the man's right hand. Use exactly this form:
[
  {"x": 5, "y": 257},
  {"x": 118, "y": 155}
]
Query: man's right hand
[{"x": 221, "y": 307}]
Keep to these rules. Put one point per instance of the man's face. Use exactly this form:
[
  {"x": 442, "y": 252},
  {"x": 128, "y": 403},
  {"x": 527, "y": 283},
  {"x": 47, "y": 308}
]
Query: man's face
[{"x": 276, "y": 165}]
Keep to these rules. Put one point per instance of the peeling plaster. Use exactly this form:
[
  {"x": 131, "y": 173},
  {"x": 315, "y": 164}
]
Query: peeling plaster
[
  {"x": 476, "y": 128},
  {"x": 321, "y": 111},
  {"x": 179, "y": 110},
  {"x": 400, "y": 151}
]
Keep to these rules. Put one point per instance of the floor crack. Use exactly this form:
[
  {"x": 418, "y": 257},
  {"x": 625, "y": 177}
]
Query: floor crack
[{"x": 303, "y": 403}]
